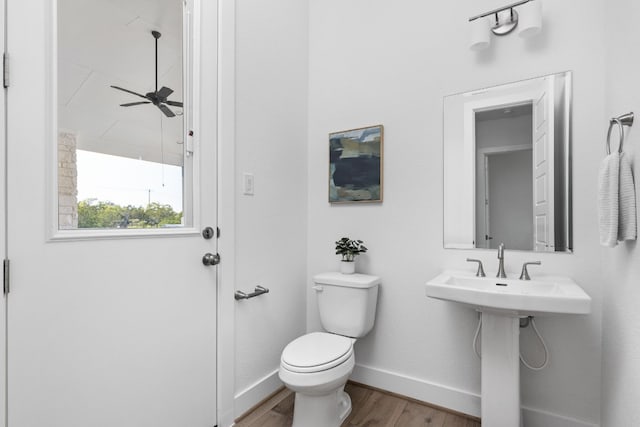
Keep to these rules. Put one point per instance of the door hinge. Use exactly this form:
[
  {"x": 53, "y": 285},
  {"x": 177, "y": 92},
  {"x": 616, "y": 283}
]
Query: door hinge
[
  {"x": 217, "y": 232},
  {"x": 6, "y": 287},
  {"x": 5, "y": 70}
]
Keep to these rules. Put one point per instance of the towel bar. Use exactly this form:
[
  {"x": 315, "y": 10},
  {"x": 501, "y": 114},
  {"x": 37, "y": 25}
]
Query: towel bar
[
  {"x": 259, "y": 290},
  {"x": 621, "y": 121}
]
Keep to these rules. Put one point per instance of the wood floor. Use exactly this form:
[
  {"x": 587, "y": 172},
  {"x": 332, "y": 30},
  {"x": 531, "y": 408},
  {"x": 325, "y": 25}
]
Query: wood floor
[{"x": 370, "y": 407}]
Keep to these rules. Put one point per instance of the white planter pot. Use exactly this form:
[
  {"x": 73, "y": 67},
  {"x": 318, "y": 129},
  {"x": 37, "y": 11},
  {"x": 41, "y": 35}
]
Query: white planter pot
[{"x": 347, "y": 267}]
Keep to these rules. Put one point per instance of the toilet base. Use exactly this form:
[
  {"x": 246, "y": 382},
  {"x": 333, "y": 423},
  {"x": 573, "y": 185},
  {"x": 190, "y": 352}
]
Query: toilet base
[{"x": 321, "y": 411}]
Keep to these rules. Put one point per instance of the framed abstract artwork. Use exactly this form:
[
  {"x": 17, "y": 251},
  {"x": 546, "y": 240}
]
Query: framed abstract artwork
[{"x": 355, "y": 165}]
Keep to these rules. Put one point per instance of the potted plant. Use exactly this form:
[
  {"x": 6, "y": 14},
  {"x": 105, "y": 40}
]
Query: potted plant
[{"x": 349, "y": 249}]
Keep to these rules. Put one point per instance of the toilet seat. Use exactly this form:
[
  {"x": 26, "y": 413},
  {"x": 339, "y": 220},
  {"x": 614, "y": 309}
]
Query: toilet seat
[{"x": 316, "y": 352}]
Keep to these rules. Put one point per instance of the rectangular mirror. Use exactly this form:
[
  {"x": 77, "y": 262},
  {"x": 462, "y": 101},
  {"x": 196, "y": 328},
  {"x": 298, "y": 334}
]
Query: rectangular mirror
[
  {"x": 507, "y": 166},
  {"x": 122, "y": 81}
]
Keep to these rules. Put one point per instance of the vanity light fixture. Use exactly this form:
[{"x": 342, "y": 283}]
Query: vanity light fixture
[
  {"x": 504, "y": 20},
  {"x": 480, "y": 37},
  {"x": 530, "y": 19}
]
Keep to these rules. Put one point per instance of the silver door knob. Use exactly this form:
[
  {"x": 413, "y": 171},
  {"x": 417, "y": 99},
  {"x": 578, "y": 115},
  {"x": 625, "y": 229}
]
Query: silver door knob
[{"x": 211, "y": 259}]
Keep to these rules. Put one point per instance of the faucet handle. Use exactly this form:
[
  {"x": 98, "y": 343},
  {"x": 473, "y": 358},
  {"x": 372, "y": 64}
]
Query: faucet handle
[
  {"x": 525, "y": 273},
  {"x": 480, "y": 272}
]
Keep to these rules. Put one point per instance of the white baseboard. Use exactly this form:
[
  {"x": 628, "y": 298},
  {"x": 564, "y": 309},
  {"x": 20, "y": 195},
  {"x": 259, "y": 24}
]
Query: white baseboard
[
  {"x": 457, "y": 400},
  {"x": 538, "y": 418},
  {"x": 436, "y": 394},
  {"x": 255, "y": 393}
]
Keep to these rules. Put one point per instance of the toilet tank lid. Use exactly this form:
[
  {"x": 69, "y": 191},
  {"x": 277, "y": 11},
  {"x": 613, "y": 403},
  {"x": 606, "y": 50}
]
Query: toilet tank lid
[{"x": 355, "y": 280}]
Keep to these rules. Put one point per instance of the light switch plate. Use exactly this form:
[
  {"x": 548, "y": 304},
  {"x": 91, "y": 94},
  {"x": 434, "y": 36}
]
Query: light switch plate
[{"x": 247, "y": 184}]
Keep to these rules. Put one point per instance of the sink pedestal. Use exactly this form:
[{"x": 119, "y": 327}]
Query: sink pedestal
[
  {"x": 503, "y": 302},
  {"x": 500, "y": 370}
]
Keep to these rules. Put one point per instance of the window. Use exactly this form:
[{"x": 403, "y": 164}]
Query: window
[{"x": 121, "y": 156}]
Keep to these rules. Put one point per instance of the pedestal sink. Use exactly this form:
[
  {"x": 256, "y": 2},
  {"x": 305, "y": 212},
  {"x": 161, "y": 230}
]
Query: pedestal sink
[{"x": 502, "y": 303}]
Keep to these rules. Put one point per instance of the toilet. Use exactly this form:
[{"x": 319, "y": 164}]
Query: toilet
[{"x": 316, "y": 366}]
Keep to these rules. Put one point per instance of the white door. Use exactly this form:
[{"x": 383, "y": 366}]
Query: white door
[
  {"x": 105, "y": 330},
  {"x": 543, "y": 158}
]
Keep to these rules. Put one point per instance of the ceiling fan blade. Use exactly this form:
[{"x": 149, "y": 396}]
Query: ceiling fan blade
[
  {"x": 167, "y": 112},
  {"x": 129, "y": 91},
  {"x": 131, "y": 104},
  {"x": 164, "y": 92},
  {"x": 174, "y": 103}
]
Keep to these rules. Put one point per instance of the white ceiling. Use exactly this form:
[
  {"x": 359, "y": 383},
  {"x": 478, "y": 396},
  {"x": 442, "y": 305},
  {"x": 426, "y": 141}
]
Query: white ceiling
[
  {"x": 505, "y": 112},
  {"x": 109, "y": 42}
]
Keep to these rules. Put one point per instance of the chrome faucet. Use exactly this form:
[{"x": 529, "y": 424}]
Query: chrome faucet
[{"x": 501, "y": 274}]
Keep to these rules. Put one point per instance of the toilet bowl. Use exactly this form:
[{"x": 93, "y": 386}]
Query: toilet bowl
[{"x": 316, "y": 366}]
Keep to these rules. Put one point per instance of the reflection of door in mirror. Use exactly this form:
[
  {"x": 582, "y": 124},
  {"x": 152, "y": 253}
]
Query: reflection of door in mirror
[
  {"x": 543, "y": 130},
  {"x": 504, "y": 181},
  {"x": 120, "y": 93},
  {"x": 505, "y": 209}
]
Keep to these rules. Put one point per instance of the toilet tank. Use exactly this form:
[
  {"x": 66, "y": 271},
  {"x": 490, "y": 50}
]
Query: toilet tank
[{"x": 347, "y": 302}]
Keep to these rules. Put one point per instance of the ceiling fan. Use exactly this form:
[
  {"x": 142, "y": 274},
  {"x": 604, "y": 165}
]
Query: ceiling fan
[{"x": 158, "y": 97}]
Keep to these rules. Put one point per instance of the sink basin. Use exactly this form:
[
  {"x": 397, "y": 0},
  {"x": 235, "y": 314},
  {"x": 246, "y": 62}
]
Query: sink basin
[{"x": 543, "y": 296}]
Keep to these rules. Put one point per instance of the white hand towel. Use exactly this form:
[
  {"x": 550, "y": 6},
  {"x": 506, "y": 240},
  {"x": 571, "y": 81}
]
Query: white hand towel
[
  {"x": 608, "y": 199},
  {"x": 627, "y": 219}
]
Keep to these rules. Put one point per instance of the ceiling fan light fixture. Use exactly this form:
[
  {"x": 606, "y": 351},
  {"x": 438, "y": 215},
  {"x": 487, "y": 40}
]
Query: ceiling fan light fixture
[{"x": 158, "y": 97}]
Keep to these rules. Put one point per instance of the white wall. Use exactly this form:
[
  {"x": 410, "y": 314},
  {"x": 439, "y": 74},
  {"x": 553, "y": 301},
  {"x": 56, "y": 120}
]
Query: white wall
[
  {"x": 621, "y": 287},
  {"x": 375, "y": 61},
  {"x": 511, "y": 200},
  {"x": 270, "y": 227},
  {"x": 504, "y": 132}
]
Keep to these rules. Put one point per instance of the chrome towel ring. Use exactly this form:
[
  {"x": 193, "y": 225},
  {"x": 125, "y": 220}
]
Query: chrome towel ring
[
  {"x": 621, "y": 131},
  {"x": 621, "y": 121}
]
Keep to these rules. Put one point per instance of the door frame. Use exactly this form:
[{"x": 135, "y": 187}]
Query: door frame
[
  {"x": 469, "y": 166},
  {"x": 226, "y": 211}
]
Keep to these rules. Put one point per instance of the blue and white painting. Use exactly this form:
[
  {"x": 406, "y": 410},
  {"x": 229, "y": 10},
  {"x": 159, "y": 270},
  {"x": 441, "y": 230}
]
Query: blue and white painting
[{"x": 355, "y": 165}]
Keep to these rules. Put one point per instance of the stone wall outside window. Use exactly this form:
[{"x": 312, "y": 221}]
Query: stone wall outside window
[{"x": 67, "y": 182}]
